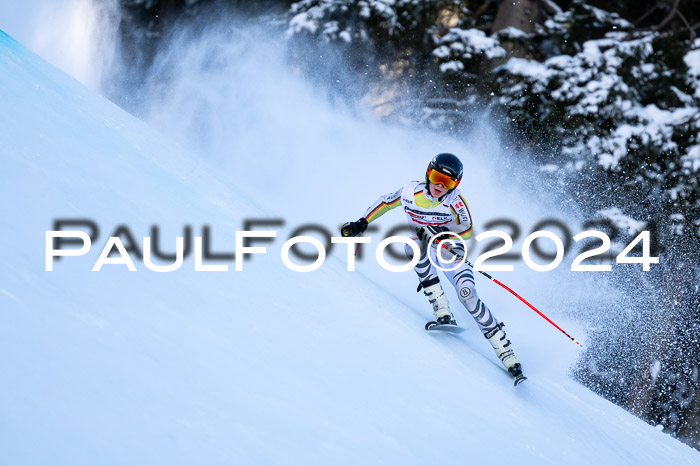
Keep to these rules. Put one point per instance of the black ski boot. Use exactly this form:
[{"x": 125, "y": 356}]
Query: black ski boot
[{"x": 504, "y": 351}]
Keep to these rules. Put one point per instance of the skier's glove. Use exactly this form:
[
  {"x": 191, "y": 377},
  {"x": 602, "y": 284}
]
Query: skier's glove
[
  {"x": 354, "y": 228},
  {"x": 428, "y": 232}
]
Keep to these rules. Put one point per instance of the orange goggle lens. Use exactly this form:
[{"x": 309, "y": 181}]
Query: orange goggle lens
[{"x": 437, "y": 177}]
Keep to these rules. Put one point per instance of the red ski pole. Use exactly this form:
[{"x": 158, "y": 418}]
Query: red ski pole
[{"x": 460, "y": 258}]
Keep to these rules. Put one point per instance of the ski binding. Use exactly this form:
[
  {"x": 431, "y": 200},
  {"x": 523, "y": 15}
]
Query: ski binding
[{"x": 517, "y": 373}]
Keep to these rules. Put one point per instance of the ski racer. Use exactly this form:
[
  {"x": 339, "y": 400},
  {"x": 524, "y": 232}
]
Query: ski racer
[{"x": 433, "y": 207}]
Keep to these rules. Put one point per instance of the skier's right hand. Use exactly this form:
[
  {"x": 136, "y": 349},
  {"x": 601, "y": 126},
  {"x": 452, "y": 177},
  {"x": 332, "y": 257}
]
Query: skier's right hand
[
  {"x": 354, "y": 228},
  {"x": 429, "y": 232}
]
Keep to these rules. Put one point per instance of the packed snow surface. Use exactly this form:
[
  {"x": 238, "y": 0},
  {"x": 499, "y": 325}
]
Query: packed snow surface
[{"x": 265, "y": 365}]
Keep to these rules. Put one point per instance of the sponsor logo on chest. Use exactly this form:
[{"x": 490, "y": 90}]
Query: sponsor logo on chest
[{"x": 428, "y": 216}]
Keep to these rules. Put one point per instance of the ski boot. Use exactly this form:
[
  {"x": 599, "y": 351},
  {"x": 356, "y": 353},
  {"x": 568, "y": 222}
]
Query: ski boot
[
  {"x": 441, "y": 307},
  {"x": 501, "y": 345}
]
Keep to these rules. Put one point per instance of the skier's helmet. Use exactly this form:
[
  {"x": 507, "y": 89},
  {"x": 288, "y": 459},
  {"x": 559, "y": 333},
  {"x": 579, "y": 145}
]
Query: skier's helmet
[{"x": 446, "y": 170}]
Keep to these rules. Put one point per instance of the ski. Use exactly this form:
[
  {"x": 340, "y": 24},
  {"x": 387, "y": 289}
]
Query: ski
[
  {"x": 432, "y": 325},
  {"x": 519, "y": 379},
  {"x": 517, "y": 373}
]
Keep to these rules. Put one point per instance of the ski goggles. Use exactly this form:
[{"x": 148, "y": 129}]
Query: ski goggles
[{"x": 440, "y": 178}]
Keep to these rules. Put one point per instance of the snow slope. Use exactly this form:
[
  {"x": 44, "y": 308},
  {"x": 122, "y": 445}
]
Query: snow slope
[{"x": 263, "y": 366}]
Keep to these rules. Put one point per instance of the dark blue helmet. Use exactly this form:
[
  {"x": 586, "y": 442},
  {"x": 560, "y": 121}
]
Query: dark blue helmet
[{"x": 447, "y": 164}]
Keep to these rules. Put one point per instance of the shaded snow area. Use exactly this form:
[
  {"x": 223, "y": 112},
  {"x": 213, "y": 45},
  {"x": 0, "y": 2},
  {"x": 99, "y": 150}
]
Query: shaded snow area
[{"x": 265, "y": 365}]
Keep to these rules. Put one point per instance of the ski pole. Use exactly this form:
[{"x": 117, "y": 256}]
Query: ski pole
[{"x": 460, "y": 258}]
